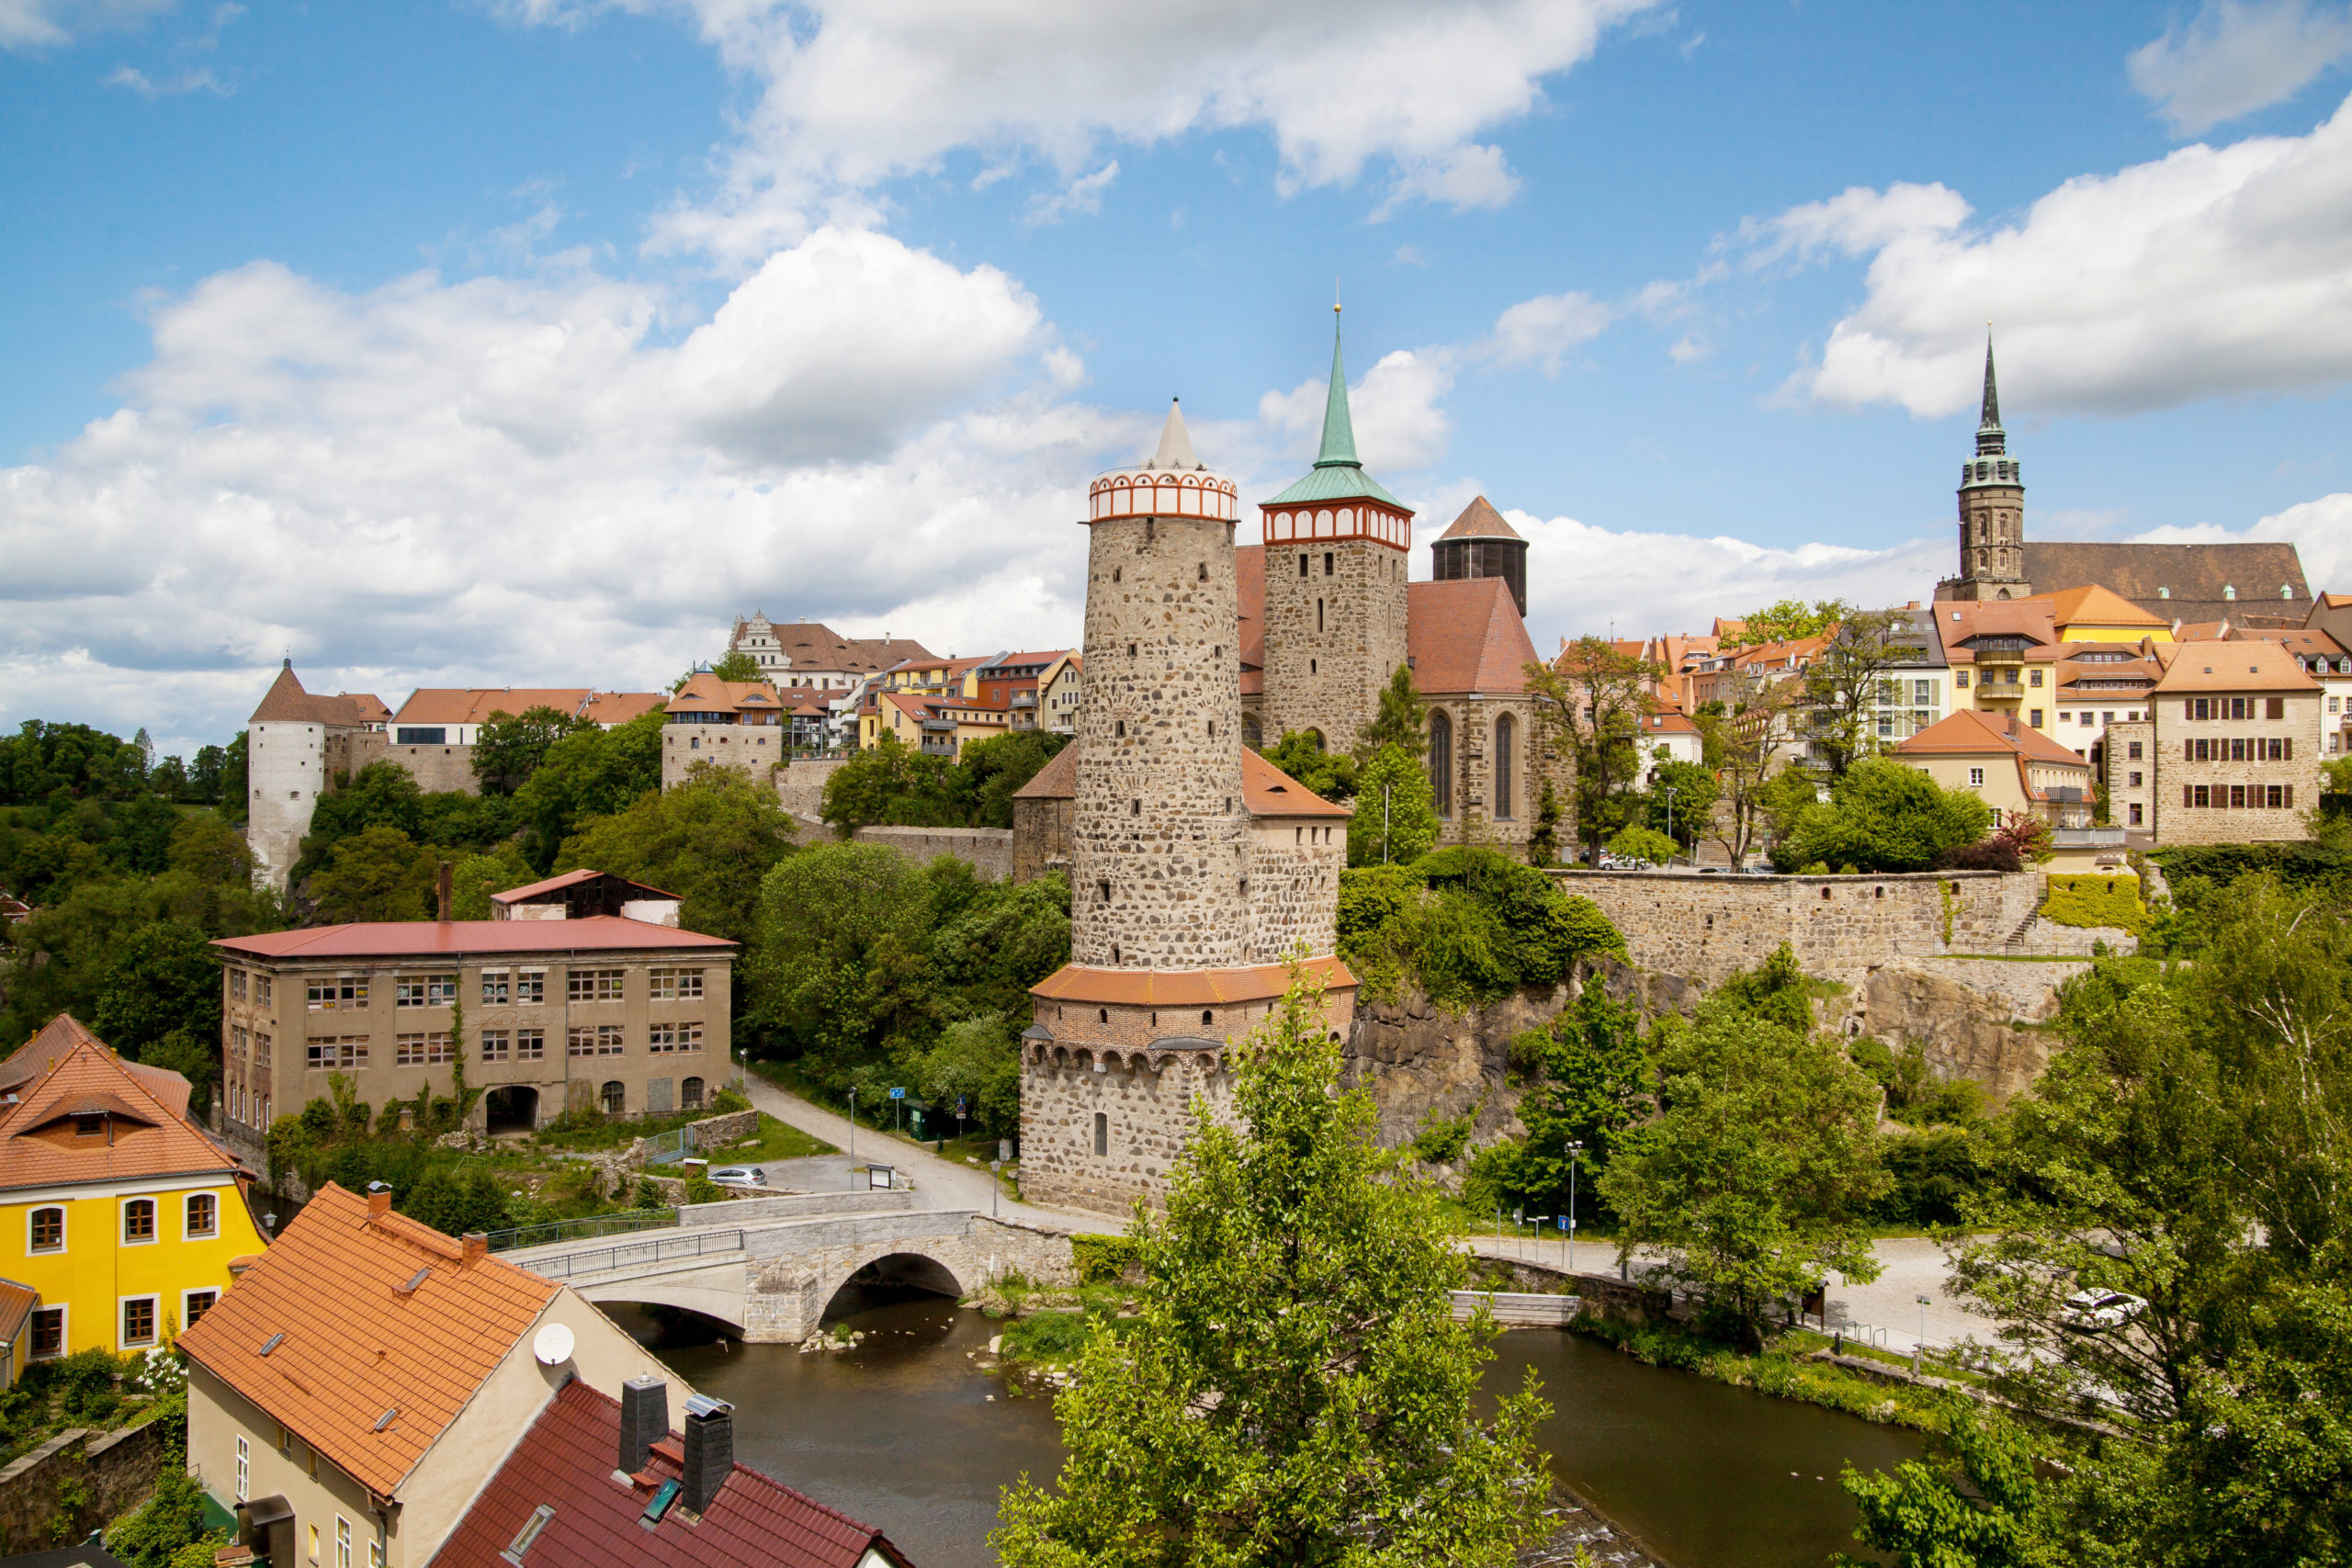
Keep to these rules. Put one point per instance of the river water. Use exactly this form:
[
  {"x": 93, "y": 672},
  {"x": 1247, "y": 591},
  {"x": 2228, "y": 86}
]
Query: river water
[{"x": 904, "y": 1433}]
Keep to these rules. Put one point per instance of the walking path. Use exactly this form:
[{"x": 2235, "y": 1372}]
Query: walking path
[{"x": 939, "y": 1183}]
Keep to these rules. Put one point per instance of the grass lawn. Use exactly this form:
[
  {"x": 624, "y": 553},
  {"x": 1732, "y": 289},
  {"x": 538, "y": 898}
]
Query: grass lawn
[{"x": 775, "y": 1141}]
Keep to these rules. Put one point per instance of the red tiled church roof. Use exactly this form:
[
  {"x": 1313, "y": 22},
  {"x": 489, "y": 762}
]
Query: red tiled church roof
[{"x": 1466, "y": 636}]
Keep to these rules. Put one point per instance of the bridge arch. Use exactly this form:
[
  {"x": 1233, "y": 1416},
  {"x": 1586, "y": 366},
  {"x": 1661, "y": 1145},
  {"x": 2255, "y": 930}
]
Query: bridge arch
[{"x": 900, "y": 1269}]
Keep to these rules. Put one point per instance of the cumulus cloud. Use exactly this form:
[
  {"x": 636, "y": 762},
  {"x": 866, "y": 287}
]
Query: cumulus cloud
[
  {"x": 1083, "y": 194},
  {"x": 2233, "y": 58},
  {"x": 1398, "y": 409},
  {"x": 1542, "y": 330},
  {"x": 2211, "y": 272},
  {"x": 851, "y": 93},
  {"x": 41, "y": 24},
  {"x": 199, "y": 80},
  {"x": 2319, "y": 530}
]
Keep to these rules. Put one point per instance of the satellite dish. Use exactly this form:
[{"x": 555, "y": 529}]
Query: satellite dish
[{"x": 552, "y": 1345}]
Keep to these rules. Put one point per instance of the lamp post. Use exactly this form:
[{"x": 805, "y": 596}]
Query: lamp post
[
  {"x": 994, "y": 1165},
  {"x": 1668, "y": 793},
  {"x": 1922, "y": 1340},
  {"x": 1574, "y": 1150},
  {"x": 852, "y": 1133}
]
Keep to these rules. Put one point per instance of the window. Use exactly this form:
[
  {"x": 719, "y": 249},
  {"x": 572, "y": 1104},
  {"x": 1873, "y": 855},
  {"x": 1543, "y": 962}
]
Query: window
[
  {"x": 1302, "y": 571},
  {"x": 676, "y": 984},
  {"x": 48, "y": 1231},
  {"x": 2237, "y": 796},
  {"x": 202, "y": 1215},
  {"x": 338, "y": 993},
  {"x": 49, "y": 1332},
  {"x": 2135, "y": 814},
  {"x": 1326, "y": 563},
  {"x": 1442, "y": 761},
  {"x": 1977, "y": 778},
  {"x": 194, "y": 1305},
  {"x": 614, "y": 1096},
  {"x": 1102, "y": 1133},
  {"x": 341, "y": 1542},
  {"x": 530, "y": 985},
  {"x": 1505, "y": 734},
  {"x": 137, "y": 1321},
  {"x": 2201, "y": 795},
  {"x": 2275, "y": 795},
  {"x": 2136, "y": 780},
  {"x": 530, "y": 1044},
  {"x": 495, "y": 1044},
  {"x": 2036, "y": 719},
  {"x": 2134, "y": 750},
  {"x": 418, "y": 735},
  {"x": 594, "y": 1040},
  {"x": 690, "y": 1094},
  {"x": 596, "y": 984},
  {"x": 669, "y": 1037},
  {"x": 422, "y": 1050},
  {"x": 527, "y": 1534},
  {"x": 1923, "y": 692},
  {"x": 351, "y": 1051},
  {"x": 263, "y": 989},
  {"x": 314, "y": 1543},
  {"x": 236, "y": 985},
  {"x": 237, "y": 1043},
  {"x": 261, "y": 1049},
  {"x": 496, "y": 988},
  {"x": 245, "y": 1468},
  {"x": 139, "y": 1221},
  {"x": 2033, "y": 678},
  {"x": 1960, "y": 680},
  {"x": 425, "y": 990},
  {"x": 2273, "y": 707}
]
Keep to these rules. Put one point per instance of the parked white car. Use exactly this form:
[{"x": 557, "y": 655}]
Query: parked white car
[
  {"x": 2092, "y": 1312},
  {"x": 739, "y": 1176}
]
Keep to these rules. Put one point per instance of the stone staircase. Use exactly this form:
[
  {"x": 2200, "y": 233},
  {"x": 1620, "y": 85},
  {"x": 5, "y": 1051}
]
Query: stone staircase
[{"x": 2020, "y": 940}]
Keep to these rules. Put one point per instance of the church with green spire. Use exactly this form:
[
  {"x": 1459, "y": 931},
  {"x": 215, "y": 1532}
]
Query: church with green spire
[{"x": 1992, "y": 511}]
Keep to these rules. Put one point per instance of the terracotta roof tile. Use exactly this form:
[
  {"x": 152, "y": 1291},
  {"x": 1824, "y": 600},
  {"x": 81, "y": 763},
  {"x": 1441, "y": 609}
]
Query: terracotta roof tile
[
  {"x": 474, "y": 705},
  {"x": 403, "y": 939},
  {"x": 61, "y": 1034},
  {"x": 1480, "y": 520},
  {"x": 619, "y": 707},
  {"x": 1184, "y": 987},
  {"x": 287, "y": 703},
  {"x": 1268, "y": 790},
  {"x": 358, "y": 1342},
  {"x": 1466, "y": 636},
  {"x": 569, "y": 879},
  {"x": 2196, "y": 573},
  {"x": 150, "y": 1134},
  {"x": 2251, "y": 666},
  {"x": 565, "y": 1463},
  {"x": 16, "y": 1304},
  {"x": 2098, "y": 606},
  {"x": 1058, "y": 780},
  {"x": 1971, "y": 733}
]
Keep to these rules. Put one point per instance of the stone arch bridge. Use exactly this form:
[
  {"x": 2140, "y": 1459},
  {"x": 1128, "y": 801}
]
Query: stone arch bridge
[{"x": 771, "y": 1272}]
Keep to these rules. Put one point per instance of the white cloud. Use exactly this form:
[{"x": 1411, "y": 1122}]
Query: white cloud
[
  {"x": 1542, "y": 330},
  {"x": 2319, "y": 530},
  {"x": 2211, "y": 272},
  {"x": 852, "y": 92},
  {"x": 1397, "y": 409},
  {"x": 199, "y": 80},
  {"x": 2233, "y": 58},
  {"x": 1083, "y": 194},
  {"x": 41, "y": 24}
]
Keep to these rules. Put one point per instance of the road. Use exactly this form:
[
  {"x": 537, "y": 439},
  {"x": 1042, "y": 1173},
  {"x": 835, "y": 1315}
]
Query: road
[{"x": 939, "y": 1183}]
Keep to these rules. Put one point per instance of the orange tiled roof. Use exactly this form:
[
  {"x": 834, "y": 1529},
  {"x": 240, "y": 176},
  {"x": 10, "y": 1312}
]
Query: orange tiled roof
[
  {"x": 1466, "y": 636},
  {"x": 287, "y": 703},
  {"x": 1480, "y": 520},
  {"x": 2098, "y": 606},
  {"x": 705, "y": 692},
  {"x": 61, "y": 1034},
  {"x": 147, "y": 1135},
  {"x": 2253, "y": 666},
  {"x": 358, "y": 1340},
  {"x": 1969, "y": 733},
  {"x": 1182, "y": 988},
  {"x": 1058, "y": 780},
  {"x": 1268, "y": 790},
  {"x": 474, "y": 705},
  {"x": 619, "y": 707},
  {"x": 16, "y": 1304}
]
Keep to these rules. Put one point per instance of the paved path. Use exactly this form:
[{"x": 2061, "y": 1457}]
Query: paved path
[{"x": 939, "y": 1183}]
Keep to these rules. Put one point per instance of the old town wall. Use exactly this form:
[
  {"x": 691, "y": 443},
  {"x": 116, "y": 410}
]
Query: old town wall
[
  {"x": 990, "y": 850},
  {"x": 1293, "y": 889}
]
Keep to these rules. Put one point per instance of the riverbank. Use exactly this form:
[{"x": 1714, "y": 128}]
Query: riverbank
[{"x": 1884, "y": 1394}]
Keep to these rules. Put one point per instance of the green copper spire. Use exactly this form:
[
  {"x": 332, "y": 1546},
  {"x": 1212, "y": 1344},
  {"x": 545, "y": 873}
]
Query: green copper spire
[{"x": 1338, "y": 431}]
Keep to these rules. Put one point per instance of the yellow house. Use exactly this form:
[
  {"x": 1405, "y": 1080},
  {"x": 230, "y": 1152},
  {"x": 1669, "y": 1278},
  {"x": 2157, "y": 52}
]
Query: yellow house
[
  {"x": 2021, "y": 772},
  {"x": 2099, "y": 614},
  {"x": 120, "y": 1220}
]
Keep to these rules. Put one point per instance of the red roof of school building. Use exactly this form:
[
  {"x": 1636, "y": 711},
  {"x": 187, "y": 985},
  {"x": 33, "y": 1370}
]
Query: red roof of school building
[{"x": 408, "y": 939}]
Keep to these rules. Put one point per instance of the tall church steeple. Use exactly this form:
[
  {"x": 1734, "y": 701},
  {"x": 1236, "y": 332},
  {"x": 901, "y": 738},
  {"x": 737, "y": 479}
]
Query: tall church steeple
[
  {"x": 1338, "y": 450},
  {"x": 1991, "y": 509}
]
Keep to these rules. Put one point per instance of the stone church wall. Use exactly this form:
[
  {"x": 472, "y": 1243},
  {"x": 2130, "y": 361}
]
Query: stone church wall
[
  {"x": 1474, "y": 818},
  {"x": 1326, "y": 675}
]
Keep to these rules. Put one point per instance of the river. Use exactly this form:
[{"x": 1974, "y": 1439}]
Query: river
[{"x": 904, "y": 1433}]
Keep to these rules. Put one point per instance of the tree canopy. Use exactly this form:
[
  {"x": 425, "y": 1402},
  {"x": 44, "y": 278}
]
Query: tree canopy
[
  {"x": 509, "y": 748},
  {"x": 1591, "y": 701},
  {"x": 894, "y": 784},
  {"x": 1882, "y": 816},
  {"x": 1395, "y": 815},
  {"x": 710, "y": 841}
]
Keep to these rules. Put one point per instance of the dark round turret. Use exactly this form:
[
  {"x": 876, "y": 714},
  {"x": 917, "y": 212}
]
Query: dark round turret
[{"x": 1480, "y": 543}]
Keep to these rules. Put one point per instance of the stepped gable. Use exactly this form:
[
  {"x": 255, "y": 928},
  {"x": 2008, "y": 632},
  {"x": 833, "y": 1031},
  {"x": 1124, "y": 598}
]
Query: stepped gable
[
  {"x": 2187, "y": 582},
  {"x": 1480, "y": 520},
  {"x": 369, "y": 1312},
  {"x": 1466, "y": 636}
]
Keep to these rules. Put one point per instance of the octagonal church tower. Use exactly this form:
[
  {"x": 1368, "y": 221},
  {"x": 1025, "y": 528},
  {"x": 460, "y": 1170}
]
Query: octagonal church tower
[{"x": 1196, "y": 868}]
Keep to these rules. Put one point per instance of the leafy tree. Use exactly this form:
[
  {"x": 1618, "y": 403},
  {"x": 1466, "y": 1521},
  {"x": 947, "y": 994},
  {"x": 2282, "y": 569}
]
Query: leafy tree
[
  {"x": 977, "y": 1062},
  {"x": 1974, "y": 1504},
  {"x": 378, "y": 873},
  {"x": 889, "y": 782},
  {"x": 455, "y": 1203},
  {"x": 1758, "y": 1173},
  {"x": 476, "y": 877},
  {"x": 989, "y": 772},
  {"x": 739, "y": 668},
  {"x": 1331, "y": 774},
  {"x": 1292, "y": 1387},
  {"x": 509, "y": 748},
  {"x": 1883, "y": 816},
  {"x": 212, "y": 852},
  {"x": 160, "y": 1002},
  {"x": 988, "y": 948},
  {"x": 1742, "y": 734},
  {"x": 1681, "y": 800},
  {"x": 1395, "y": 817},
  {"x": 1543, "y": 843},
  {"x": 710, "y": 841},
  {"x": 1637, "y": 842},
  {"x": 1595, "y": 1083},
  {"x": 233, "y": 780},
  {"x": 1402, "y": 720},
  {"x": 42, "y": 760},
  {"x": 169, "y": 779},
  {"x": 1789, "y": 620},
  {"x": 142, "y": 835},
  {"x": 1593, "y": 699},
  {"x": 1845, "y": 680},
  {"x": 593, "y": 772},
  {"x": 170, "y": 1524},
  {"x": 840, "y": 967},
  {"x": 204, "y": 775}
]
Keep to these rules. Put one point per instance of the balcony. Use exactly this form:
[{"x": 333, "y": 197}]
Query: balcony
[{"x": 2087, "y": 838}]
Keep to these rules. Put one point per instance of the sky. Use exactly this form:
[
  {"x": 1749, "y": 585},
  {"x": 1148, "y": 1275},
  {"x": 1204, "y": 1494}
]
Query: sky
[{"x": 528, "y": 342}]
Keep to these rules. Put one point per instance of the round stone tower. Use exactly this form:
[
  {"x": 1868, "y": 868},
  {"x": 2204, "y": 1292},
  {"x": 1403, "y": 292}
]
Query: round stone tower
[
  {"x": 1992, "y": 511},
  {"x": 1155, "y": 834}
]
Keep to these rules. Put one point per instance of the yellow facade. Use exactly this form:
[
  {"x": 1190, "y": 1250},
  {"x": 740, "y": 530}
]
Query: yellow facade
[
  {"x": 99, "y": 1266},
  {"x": 2091, "y": 631}
]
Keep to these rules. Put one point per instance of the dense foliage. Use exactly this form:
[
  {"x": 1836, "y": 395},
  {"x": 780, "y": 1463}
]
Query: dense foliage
[
  {"x": 2093, "y": 900},
  {"x": 1331, "y": 774},
  {"x": 1882, "y": 816},
  {"x": 1292, "y": 1386},
  {"x": 1396, "y": 816},
  {"x": 1466, "y": 925},
  {"x": 711, "y": 840},
  {"x": 891, "y": 783}
]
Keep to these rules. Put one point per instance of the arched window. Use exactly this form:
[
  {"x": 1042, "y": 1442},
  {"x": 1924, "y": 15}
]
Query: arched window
[
  {"x": 203, "y": 1215},
  {"x": 48, "y": 1231},
  {"x": 615, "y": 1097},
  {"x": 1102, "y": 1133},
  {"x": 1208, "y": 1015},
  {"x": 690, "y": 1094},
  {"x": 1506, "y": 732},
  {"x": 139, "y": 1220},
  {"x": 1441, "y": 761}
]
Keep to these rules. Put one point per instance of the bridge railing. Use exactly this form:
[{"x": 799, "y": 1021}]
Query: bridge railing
[
  {"x": 635, "y": 1254},
  {"x": 627, "y": 1221}
]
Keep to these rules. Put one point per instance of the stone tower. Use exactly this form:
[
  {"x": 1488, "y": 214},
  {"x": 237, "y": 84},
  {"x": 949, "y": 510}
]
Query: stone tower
[
  {"x": 1480, "y": 543},
  {"x": 1156, "y": 834},
  {"x": 1198, "y": 870},
  {"x": 1336, "y": 549},
  {"x": 1992, "y": 511}
]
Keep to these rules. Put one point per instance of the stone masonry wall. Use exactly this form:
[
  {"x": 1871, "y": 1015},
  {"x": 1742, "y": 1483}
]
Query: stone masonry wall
[
  {"x": 1474, "y": 818},
  {"x": 1040, "y": 836},
  {"x": 114, "y": 1470},
  {"x": 800, "y": 785},
  {"x": 1146, "y": 1102},
  {"x": 1293, "y": 870},
  {"x": 752, "y": 749},
  {"x": 435, "y": 769},
  {"x": 787, "y": 1295},
  {"x": 990, "y": 850},
  {"x": 2179, "y": 822},
  {"x": 1325, "y": 673},
  {"x": 1711, "y": 927},
  {"x": 1156, "y": 840}
]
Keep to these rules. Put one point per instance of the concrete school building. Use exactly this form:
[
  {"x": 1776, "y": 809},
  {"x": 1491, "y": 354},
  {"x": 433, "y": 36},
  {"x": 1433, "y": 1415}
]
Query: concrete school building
[
  {"x": 1196, "y": 867},
  {"x": 121, "y": 1221}
]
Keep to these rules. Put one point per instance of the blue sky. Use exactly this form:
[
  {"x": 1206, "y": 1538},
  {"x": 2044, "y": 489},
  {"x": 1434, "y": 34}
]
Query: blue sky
[{"x": 527, "y": 342}]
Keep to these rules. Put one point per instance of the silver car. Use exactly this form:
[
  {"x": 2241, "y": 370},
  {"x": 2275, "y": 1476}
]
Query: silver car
[
  {"x": 2092, "y": 1312},
  {"x": 739, "y": 1176}
]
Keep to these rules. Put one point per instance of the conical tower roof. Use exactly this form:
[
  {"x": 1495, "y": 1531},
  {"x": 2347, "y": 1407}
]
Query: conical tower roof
[
  {"x": 1480, "y": 520},
  {"x": 1339, "y": 474},
  {"x": 1175, "y": 449}
]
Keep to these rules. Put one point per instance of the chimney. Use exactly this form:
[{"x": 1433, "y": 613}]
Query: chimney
[
  {"x": 711, "y": 1449},
  {"x": 645, "y": 1420},
  {"x": 473, "y": 1247},
  {"x": 442, "y": 889},
  {"x": 379, "y": 1200}
]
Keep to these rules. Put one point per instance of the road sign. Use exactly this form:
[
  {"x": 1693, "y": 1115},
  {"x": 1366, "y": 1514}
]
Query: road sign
[
  {"x": 1563, "y": 1222},
  {"x": 959, "y": 1105},
  {"x": 897, "y": 1094}
]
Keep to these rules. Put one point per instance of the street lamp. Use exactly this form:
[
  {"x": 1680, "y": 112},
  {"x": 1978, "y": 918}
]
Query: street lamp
[
  {"x": 1575, "y": 1150},
  {"x": 852, "y": 1133},
  {"x": 994, "y": 1165},
  {"x": 1668, "y": 793},
  {"x": 1915, "y": 1344}
]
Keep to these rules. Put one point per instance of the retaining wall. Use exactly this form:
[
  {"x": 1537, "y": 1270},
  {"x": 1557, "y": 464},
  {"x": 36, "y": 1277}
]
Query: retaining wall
[
  {"x": 989, "y": 849},
  {"x": 105, "y": 1474}
]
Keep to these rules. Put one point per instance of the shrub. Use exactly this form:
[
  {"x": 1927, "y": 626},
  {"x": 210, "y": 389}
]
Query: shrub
[
  {"x": 1442, "y": 1138},
  {"x": 730, "y": 1099},
  {"x": 1984, "y": 855},
  {"x": 2091, "y": 900},
  {"x": 1101, "y": 1259},
  {"x": 1883, "y": 816},
  {"x": 1644, "y": 845}
]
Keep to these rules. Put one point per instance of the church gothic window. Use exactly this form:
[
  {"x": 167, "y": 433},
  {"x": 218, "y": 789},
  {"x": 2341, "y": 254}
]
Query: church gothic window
[
  {"x": 1442, "y": 761},
  {"x": 1506, "y": 732}
]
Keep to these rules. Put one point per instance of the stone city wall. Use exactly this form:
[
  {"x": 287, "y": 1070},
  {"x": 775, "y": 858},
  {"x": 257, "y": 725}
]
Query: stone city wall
[
  {"x": 752, "y": 749},
  {"x": 1708, "y": 928},
  {"x": 75, "y": 1483},
  {"x": 1146, "y": 1110},
  {"x": 800, "y": 785},
  {"x": 1294, "y": 902},
  {"x": 434, "y": 768},
  {"x": 990, "y": 850},
  {"x": 1040, "y": 836}
]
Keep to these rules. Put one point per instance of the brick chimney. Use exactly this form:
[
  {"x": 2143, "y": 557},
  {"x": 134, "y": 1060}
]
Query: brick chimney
[
  {"x": 473, "y": 1247},
  {"x": 711, "y": 1449},
  {"x": 379, "y": 1200},
  {"x": 444, "y": 888},
  {"x": 645, "y": 1420}
]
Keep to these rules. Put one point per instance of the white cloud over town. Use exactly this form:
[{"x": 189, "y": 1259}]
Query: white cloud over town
[{"x": 2232, "y": 59}]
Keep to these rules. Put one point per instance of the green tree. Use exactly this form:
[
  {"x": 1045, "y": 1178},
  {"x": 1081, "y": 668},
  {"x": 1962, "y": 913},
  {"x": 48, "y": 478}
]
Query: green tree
[
  {"x": 890, "y": 783},
  {"x": 1637, "y": 842},
  {"x": 1595, "y": 1083},
  {"x": 1758, "y": 1176},
  {"x": 204, "y": 776},
  {"x": 1742, "y": 734},
  {"x": 1849, "y": 679},
  {"x": 977, "y": 1062},
  {"x": 1543, "y": 843},
  {"x": 1402, "y": 721},
  {"x": 160, "y": 1002},
  {"x": 1592, "y": 699},
  {"x": 1292, "y": 1387},
  {"x": 169, "y": 1524},
  {"x": 1883, "y": 816},
  {"x": 710, "y": 841},
  {"x": 1681, "y": 799},
  {"x": 739, "y": 668},
  {"x": 1331, "y": 774},
  {"x": 1788, "y": 620},
  {"x": 1396, "y": 816},
  {"x": 208, "y": 849},
  {"x": 378, "y": 873},
  {"x": 509, "y": 746},
  {"x": 594, "y": 772},
  {"x": 476, "y": 877},
  {"x": 1975, "y": 1502},
  {"x": 840, "y": 970},
  {"x": 988, "y": 774},
  {"x": 234, "y": 781}
]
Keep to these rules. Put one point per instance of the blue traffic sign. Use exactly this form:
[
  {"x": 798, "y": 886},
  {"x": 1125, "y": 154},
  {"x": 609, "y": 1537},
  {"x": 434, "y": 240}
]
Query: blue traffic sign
[{"x": 897, "y": 1094}]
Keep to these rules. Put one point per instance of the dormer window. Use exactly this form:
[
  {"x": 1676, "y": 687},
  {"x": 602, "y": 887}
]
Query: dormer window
[{"x": 89, "y": 1126}]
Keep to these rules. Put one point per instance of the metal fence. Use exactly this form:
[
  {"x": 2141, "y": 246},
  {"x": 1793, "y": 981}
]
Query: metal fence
[
  {"x": 635, "y": 1254},
  {"x": 628, "y": 1220},
  {"x": 668, "y": 1148}
]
